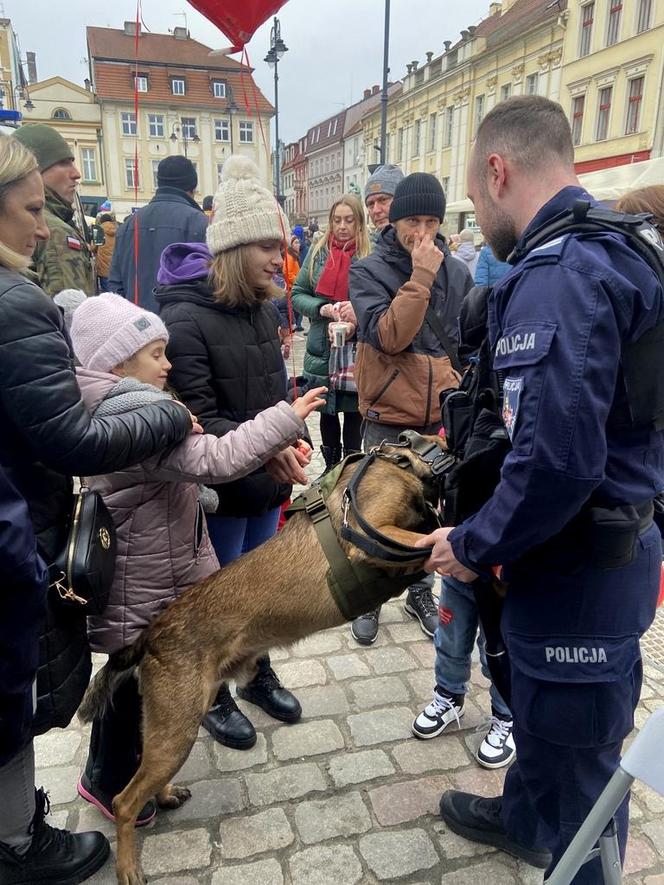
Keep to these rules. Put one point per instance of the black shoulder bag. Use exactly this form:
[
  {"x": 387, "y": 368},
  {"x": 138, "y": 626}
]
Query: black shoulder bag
[{"x": 82, "y": 574}]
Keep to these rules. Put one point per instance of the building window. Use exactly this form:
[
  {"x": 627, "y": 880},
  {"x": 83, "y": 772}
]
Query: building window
[
  {"x": 449, "y": 126},
  {"x": 156, "y": 125},
  {"x": 220, "y": 169},
  {"x": 399, "y": 145},
  {"x": 578, "y": 106},
  {"x": 222, "y": 130},
  {"x": 505, "y": 91},
  {"x": 188, "y": 128},
  {"x": 531, "y": 84},
  {"x": 634, "y": 105},
  {"x": 643, "y": 17},
  {"x": 613, "y": 29},
  {"x": 131, "y": 174},
  {"x": 61, "y": 114},
  {"x": 479, "y": 111},
  {"x": 432, "y": 132},
  {"x": 586, "y": 35},
  {"x": 446, "y": 185},
  {"x": 417, "y": 133},
  {"x": 177, "y": 86},
  {"x": 128, "y": 123},
  {"x": 89, "y": 164},
  {"x": 246, "y": 132},
  {"x": 218, "y": 89},
  {"x": 141, "y": 83},
  {"x": 604, "y": 112},
  {"x": 155, "y": 167}
]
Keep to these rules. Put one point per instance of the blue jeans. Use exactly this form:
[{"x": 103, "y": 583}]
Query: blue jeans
[
  {"x": 232, "y": 536},
  {"x": 454, "y": 642}
]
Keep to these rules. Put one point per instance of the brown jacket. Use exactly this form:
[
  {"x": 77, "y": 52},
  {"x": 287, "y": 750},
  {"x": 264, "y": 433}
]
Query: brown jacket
[
  {"x": 105, "y": 251},
  {"x": 401, "y": 366}
]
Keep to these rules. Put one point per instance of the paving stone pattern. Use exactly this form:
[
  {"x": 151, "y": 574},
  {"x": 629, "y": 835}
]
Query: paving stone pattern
[{"x": 347, "y": 795}]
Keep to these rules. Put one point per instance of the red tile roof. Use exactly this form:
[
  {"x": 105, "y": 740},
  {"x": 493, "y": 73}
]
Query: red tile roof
[{"x": 162, "y": 56}]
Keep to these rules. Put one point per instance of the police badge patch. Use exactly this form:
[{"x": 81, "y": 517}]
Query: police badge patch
[{"x": 511, "y": 397}]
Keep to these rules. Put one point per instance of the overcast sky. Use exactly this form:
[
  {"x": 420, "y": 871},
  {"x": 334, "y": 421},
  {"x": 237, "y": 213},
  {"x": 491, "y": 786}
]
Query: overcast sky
[{"x": 335, "y": 47}]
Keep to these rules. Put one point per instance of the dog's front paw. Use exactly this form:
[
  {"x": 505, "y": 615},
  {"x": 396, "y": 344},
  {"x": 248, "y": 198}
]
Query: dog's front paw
[
  {"x": 173, "y": 796},
  {"x": 131, "y": 875}
]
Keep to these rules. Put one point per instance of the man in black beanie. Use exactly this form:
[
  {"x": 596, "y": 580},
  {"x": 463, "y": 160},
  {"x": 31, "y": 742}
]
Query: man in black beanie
[
  {"x": 402, "y": 365},
  {"x": 171, "y": 216}
]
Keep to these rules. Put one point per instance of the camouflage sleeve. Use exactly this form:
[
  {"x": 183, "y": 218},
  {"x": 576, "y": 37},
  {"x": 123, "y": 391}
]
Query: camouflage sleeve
[{"x": 64, "y": 262}]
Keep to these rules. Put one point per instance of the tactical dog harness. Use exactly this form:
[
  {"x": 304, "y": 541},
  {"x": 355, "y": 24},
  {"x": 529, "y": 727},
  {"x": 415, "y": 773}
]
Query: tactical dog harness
[{"x": 357, "y": 588}]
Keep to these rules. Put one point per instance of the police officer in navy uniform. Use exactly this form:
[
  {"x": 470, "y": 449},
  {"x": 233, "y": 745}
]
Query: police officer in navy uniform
[{"x": 571, "y": 518}]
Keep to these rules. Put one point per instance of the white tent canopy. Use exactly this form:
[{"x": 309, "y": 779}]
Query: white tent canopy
[{"x": 604, "y": 184}]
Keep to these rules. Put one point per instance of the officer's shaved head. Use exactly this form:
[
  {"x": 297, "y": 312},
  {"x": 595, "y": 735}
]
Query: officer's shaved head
[{"x": 530, "y": 130}]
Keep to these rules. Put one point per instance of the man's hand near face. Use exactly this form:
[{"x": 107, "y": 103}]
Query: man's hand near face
[{"x": 426, "y": 255}]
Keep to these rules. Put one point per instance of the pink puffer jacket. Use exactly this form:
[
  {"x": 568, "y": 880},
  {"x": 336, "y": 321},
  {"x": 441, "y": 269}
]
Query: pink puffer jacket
[{"x": 163, "y": 544}]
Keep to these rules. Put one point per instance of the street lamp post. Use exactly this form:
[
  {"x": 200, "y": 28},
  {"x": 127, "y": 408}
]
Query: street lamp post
[
  {"x": 185, "y": 138},
  {"x": 277, "y": 51}
]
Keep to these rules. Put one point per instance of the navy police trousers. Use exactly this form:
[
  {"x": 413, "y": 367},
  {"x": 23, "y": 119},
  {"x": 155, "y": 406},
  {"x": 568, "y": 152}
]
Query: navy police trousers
[{"x": 573, "y": 642}]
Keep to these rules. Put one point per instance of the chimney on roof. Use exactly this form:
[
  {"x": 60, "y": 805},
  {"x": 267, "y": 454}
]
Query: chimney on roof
[
  {"x": 180, "y": 33},
  {"x": 495, "y": 8},
  {"x": 472, "y": 29},
  {"x": 409, "y": 68},
  {"x": 87, "y": 84},
  {"x": 429, "y": 57},
  {"x": 447, "y": 44},
  {"x": 465, "y": 34},
  {"x": 31, "y": 64},
  {"x": 375, "y": 90},
  {"x": 415, "y": 64},
  {"x": 367, "y": 93},
  {"x": 130, "y": 29}
]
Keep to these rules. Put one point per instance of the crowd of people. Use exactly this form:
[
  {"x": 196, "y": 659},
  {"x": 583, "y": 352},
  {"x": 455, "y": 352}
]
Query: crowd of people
[{"x": 159, "y": 378}]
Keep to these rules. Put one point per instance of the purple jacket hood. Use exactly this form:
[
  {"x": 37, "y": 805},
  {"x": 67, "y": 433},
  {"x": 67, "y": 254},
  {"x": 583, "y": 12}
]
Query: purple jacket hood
[{"x": 183, "y": 263}]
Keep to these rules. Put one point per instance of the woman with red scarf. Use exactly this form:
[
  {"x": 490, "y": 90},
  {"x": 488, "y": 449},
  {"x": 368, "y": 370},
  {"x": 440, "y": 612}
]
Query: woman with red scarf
[{"x": 321, "y": 293}]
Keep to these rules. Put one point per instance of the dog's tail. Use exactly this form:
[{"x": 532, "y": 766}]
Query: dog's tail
[{"x": 115, "y": 671}]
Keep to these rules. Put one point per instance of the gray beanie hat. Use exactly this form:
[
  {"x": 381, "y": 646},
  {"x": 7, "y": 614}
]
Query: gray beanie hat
[{"x": 383, "y": 181}]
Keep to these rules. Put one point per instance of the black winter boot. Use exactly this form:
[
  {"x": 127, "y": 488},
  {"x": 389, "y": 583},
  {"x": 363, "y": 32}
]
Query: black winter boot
[
  {"x": 227, "y": 724},
  {"x": 268, "y": 693},
  {"x": 55, "y": 857}
]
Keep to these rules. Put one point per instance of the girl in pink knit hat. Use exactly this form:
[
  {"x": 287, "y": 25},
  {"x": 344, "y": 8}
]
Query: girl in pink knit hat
[{"x": 163, "y": 546}]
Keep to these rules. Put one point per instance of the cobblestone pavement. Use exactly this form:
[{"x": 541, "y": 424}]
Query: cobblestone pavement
[{"x": 345, "y": 796}]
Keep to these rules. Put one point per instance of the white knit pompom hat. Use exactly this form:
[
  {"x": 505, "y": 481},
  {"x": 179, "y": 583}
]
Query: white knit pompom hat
[
  {"x": 107, "y": 330},
  {"x": 244, "y": 211}
]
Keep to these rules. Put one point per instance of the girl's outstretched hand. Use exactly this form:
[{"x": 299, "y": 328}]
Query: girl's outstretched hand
[{"x": 304, "y": 405}]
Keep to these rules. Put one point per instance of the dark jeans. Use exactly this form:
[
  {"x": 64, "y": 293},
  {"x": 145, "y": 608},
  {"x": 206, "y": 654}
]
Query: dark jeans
[{"x": 331, "y": 431}]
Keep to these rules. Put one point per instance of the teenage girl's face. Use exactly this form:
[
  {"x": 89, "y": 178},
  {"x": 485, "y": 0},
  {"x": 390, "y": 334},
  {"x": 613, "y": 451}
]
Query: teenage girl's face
[
  {"x": 344, "y": 226},
  {"x": 148, "y": 365},
  {"x": 263, "y": 260}
]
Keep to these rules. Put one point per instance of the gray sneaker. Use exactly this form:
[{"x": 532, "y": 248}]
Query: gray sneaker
[
  {"x": 365, "y": 628},
  {"x": 421, "y": 605}
]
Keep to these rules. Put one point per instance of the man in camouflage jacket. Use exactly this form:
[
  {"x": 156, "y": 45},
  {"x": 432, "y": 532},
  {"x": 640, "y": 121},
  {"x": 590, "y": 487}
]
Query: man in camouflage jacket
[{"x": 64, "y": 261}]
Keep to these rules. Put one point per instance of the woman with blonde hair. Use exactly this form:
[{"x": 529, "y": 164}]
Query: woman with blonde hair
[
  {"x": 227, "y": 365},
  {"x": 47, "y": 436},
  {"x": 321, "y": 293}
]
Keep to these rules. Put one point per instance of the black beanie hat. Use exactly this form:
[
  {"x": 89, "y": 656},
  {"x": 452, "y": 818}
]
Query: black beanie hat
[
  {"x": 418, "y": 194},
  {"x": 177, "y": 172}
]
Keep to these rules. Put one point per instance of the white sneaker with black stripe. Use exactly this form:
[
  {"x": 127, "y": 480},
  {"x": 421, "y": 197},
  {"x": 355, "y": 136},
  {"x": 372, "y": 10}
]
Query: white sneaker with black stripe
[
  {"x": 434, "y": 719},
  {"x": 497, "y": 749}
]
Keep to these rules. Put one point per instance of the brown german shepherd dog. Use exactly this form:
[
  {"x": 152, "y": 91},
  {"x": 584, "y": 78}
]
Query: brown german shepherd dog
[{"x": 217, "y": 629}]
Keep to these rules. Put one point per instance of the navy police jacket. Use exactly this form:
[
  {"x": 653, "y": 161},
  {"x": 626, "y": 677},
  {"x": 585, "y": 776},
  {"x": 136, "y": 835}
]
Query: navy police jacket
[{"x": 557, "y": 320}]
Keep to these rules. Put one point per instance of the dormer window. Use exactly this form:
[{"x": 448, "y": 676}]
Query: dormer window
[
  {"x": 219, "y": 89},
  {"x": 141, "y": 82},
  {"x": 178, "y": 85}
]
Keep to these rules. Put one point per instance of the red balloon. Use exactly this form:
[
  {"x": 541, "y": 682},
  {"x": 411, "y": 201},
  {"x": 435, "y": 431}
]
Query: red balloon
[{"x": 238, "y": 19}]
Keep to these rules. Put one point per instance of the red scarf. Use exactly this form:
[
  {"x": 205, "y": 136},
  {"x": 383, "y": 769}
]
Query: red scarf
[{"x": 333, "y": 280}]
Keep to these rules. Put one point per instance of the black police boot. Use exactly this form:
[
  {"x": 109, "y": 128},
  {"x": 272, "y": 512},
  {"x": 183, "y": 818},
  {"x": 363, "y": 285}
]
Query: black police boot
[
  {"x": 227, "y": 724},
  {"x": 331, "y": 456},
  {"x": 55, "y": 857},
  {"x": 365, "y": 628},
  {"x": 480, "y": 820},
  {"x": 268, "y": 693},
  {"x": 420, "y": 605}
]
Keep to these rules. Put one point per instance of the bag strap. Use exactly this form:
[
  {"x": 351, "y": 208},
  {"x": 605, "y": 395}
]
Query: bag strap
[{"x": 449, "y": 346}]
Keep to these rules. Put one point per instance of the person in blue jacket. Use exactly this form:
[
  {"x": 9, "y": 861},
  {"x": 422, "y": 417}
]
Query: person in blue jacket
[
  {"x": 570, "y": 520},
  {"x": 489, "y": 270}
]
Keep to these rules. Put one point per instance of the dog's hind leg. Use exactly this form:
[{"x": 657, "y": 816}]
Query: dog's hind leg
[{"x": 172, "y": 712}]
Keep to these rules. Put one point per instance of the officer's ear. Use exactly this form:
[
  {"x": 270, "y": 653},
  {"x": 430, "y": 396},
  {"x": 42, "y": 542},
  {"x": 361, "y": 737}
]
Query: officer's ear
[{"x": 496, "y": 175}]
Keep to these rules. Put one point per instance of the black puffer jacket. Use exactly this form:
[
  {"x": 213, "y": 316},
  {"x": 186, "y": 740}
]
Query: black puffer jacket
[
  {"x": 47, "y": 435},
  {"x": 227, "y": 367}
]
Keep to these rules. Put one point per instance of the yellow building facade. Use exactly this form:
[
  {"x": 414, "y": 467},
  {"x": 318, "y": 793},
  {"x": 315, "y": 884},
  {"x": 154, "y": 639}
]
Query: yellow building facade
[
  {"x": 612, "y": 80},
  {"x": 432, "y": 122}
]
